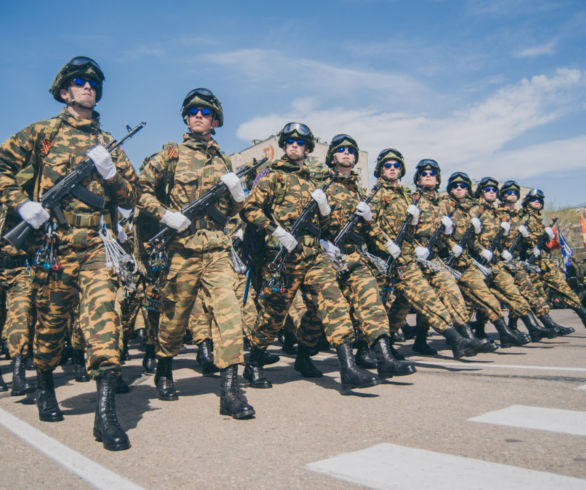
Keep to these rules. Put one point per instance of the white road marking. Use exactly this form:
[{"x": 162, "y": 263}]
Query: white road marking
[
  {"x": 583, "y": 387},
  {"x": 550, "y": 419},
  {"x": 464, "y": 365},
  {"x": 92, "y": 472},
  {"x": 398, "y": 467}
]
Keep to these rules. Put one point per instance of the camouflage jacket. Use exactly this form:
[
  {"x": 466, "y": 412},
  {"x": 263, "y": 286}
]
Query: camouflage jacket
[
  {"x": 34, "y": 159},
  {"x": 460, "y": 214},
  {"x": 198, "y": 165},
  {"x": 278, "y": 199},
  {"x": 432, "y": 207},
  {"x": 536, "y": 231},
  {"x": 513, "y": 216},
  {"x": 491, "y": 220}
]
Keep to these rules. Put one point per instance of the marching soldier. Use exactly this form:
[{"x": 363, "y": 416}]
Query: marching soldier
[{"x": 42, "y": 154}]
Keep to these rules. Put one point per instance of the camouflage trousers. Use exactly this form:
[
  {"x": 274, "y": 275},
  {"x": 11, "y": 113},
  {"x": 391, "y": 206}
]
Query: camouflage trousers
[
  {"x": 449, "y": 294},
  {"x": 475, "y": 290},
  {"x": 324, "y": 301},
  {"x": 502, "y": 285},
  {"x": 211, "y": 273},
  {"x": 554, "y": 278},
  {"x": 16, "y": 286},
  {"x": 534, "y": 295},
  {"x": 150, "y": 313},
  {"x": 85, "y": 280}
]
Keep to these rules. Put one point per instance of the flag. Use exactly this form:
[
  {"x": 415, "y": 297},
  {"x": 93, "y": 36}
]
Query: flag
[
  {"x": 554, "y": 243},
  {"x": 567, "y": 251},
  {"x": 583, "y": 223}
]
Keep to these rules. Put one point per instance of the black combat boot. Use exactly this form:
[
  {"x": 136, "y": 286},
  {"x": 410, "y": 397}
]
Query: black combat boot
[
  {"x": 408, "y": 331},
  {"x": 420, "y": 345},
  {"x": 581, "y": 312},
  {"x": 164, "y": 379},
  {"x": 20, "y": 386},
  {"x": 124, "y": 355},
  {"x": 3, "y": 386},
  {"x": 386, "y": 365},
  {"x": 397, "y": 336},
  {"x": 121, "y": 386},
  {"x": 551, "y": 325},
  {"x": 79, "y": 368},
  {"x": 46, "y": 400},
  {"x": 303, "y": 363},
  {"x": 396, "y": 354},
  {"x": 289, "y": 341},
  {"x": 363, "y": 356},
  {"x": 205, "y": 357},
  {"x": 506, "y": 336},
  {"x": 270, "y": 358},
  {"x": 535, "y": 331},
  {"x": 232, "y": 400},
  {"x": 461, "y": 346},
  {"x": 66, "y": 352},
  {"x": 351, "y": 375},
  {"x": 486, "y": 344},
  {"x": 253, "y": 371},
  {"x": 149, "y": 363},
  {"x": 107, "y": 429},
  {"x": 521, "y": 336}
]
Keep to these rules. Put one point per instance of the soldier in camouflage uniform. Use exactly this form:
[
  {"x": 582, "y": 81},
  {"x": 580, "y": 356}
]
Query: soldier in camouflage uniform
[
  {"x": 550, "y": 275},
  {"x": 199, "y": 256},
  {"x": 273, "y": 206},
  {"x": 44, "y": 152},
  {"x": 410, "y": 287}
]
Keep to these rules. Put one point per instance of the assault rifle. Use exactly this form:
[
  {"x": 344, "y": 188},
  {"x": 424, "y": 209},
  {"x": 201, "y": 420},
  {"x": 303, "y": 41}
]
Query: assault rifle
[
  {"x": 543, "y": 239},
  {"x": 203, "y": 205},
  {"x": 68, "y": 185},
  {"x": 494, "y": 245},
  {"x": 464, "y": 241},
  {"x": 435, "y": 238},
  {"x": 302, "y": 223}
]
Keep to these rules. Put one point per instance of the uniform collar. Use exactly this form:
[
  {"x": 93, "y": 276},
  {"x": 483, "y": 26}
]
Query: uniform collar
[{"x": 85, "y": 125}]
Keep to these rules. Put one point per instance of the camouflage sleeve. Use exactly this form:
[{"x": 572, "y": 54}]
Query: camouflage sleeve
[
  {"x": 151, "y": 175},
  {"x": 477, "y": 245},
  {"x": 256, "y": 207},
  {"x": 124, "y": 186}
]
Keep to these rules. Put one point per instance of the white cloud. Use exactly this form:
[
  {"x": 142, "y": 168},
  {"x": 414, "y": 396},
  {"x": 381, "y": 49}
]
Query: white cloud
[{"x": 539, "y": 50}]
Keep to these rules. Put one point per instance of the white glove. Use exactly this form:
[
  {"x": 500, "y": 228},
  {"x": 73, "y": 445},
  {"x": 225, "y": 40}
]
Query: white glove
[
  {"x": 393, "y": 249},
  {"x": 102, "y": 161},
  {"x": 331, "y": 250},
  {"x": 448, "y": 225},
  {"x": 549, "y": 232},
  {"x": 505, "y": 225},
  {"x": 486, "y": 254},
  {"x": 234, "y": 186},
  {"x": 457, "y": 251},
  {"x": 524, "y": 231},
  {"x": 363, "y": 210},
  {"x": 239, "y": 234},
  {"x": 176, "y": 220},
  {"x": 507, "y": 256},
  {"x": 421, "y": 252},
  {"x": 536, "y": 252},
  {"x": 33, "y": 213},
  {"x": 321, "y": 199},
  {"x": 285, "y": 238},
  {"x": 413, "y": 211},
  {"x": 121, "y": 235},
  {"x": 477, "y": 224}
]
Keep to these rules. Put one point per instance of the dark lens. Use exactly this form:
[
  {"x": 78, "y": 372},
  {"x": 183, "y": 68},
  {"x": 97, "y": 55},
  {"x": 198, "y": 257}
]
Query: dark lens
[
  {"x": 460, "y": 185},
  {"x": 296, "y": 127},
  {"x": 204, "y": 111},
  {"x": 392, "y": 164},
  {"x": 428, "y": 173},
  {"x": 428, "y": 163},
  {"x": 290, "y": 141},
  {"x": 80, "y": 82},
  {"x": 490, "y": 189},
  {"x": 342, "y": 149},
  {"x": 301, "y": 142},
  {"x": 512, "y": 191},
  {"x": 84, "y": 60}
]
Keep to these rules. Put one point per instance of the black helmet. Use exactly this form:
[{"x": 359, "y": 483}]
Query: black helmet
[
  {"x": 389, "y": 154},
  {"x": 339, "y": 141},
  {"x": 509, "y": 185},
  {"x": 427, "y": 164},
  {"x": 202, "y": 97},
  {"x": 486, "y": 182},
  {"x": 297, "y": 130},
  {"x": 461, "y": 177},
  {"x": 534, "y": 194},
  {"x": 78, "y": 66}
]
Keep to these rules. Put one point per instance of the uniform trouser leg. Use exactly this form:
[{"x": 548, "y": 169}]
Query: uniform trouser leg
[
  {"x": 502, "y": 285},
  {"x": 200, "y": 321},
  {"x": 449, "y": 293},
  {"x": 554, "y": 278},
  {"x": 398, "y": 311},
  {"x": 17, "y": 284},
  {"x": 475, "y": 290},
  {"x": 536, "y": 300},
  {"x": 248, "y": 310}
]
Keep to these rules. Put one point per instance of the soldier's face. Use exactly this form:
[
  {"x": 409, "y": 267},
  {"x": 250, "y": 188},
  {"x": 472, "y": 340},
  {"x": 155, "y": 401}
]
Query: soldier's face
[
  {"x": 198, "y": 123},
  {"x": 489, "y": 195},
  {"x": 391, "y": 170},
  {"x": 84, "y": 95},
  {"x": 459, "y": 192},
  {"x": 535, "y": 204},
  {"x": 426, "y": 179},
  {"x": 295, "y": 151}
]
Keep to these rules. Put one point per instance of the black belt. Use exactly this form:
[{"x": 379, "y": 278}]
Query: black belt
[{"x": 7, "y": 262}]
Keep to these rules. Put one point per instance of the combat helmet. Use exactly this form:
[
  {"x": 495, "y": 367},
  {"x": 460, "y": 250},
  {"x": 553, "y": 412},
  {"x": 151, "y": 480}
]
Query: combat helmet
[
  {"x": 459, "y": 177},
  {"x": 296, "y": 130},
  {"x": 509, "y": 185},
  {"x": 389, "y": 154},
  {"x": 428, "y": 164},
  {"x": 533, "y": 194},
  {"x": 340, "y": 141},
  {"x": 78, "y": 66},
  {"x": 485, "y": 182},
  {"x": 202, "y": 97}
]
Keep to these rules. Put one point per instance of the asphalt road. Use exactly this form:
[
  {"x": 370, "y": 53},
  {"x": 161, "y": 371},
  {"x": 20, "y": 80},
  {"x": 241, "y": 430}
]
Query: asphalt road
[{"x": 529, "y": 402}]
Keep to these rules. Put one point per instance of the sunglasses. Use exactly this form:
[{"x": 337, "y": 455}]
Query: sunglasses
[
  {"x": 460, "y": 185},
  {"x": 428, "y": 173},
  {"x": 204, "y": 111},
  {"x": 490, "y": 189},
  {"x": 290, "y": 141},
  {"x": 349, "y": 149},
  {"x": 510, "y": 192},
  {"x": 80, "y": 82},
  {"x": 392, "y": 164},
  {"x": 536, "y": 199}
]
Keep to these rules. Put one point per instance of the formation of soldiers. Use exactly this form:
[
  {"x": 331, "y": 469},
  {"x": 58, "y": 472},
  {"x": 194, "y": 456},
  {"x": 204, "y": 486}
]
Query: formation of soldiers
[{"x": 307, "y": 254}]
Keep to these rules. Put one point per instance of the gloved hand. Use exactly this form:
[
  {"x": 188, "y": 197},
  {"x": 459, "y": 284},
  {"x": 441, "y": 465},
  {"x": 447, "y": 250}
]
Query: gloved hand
[
  {"x": 321, "y": 199},
  {"x": 285, "y": 238},
  {"x": 413, "y": 211},
  {"x": 331, "y": 250},
  {"x": 176, "y": 220},
  {"x": 457, "y": 251},
  {"x": 121, "y": 235},
  {"x": 486, "y": 254},
  {"x": 448, "y": 225},
  {"x": 507, "y": 256},
  {"x": 536, "y": 252},
  {"x": 363, "y": 210},
  {"x": 505, "y": 225},
  {"x": 234, "y": 186},
  {"x": 33, "y": 213},
  {"x": 393, "y": 249},
  {"x": 524, "y": 231},
  {"x": 239, "y": 234},
  {"x": 477, "y": 224},
  {"x": 549, "y": 232},
  {"x": 421, "y": 252},
  {"x": 102, "y": 161}
]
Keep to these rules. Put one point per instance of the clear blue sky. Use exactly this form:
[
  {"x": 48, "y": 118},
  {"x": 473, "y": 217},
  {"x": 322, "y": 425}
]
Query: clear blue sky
[{"x": 489, "y": 87}]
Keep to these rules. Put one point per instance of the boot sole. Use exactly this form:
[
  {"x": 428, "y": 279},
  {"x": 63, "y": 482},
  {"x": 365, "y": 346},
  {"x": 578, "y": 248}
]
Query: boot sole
[
  {"x": 247, "y": 414},
  {"x": 369, "y": 384},
  {"x": 57, "y": 418},
  {"x": 111, "y": 447}
]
